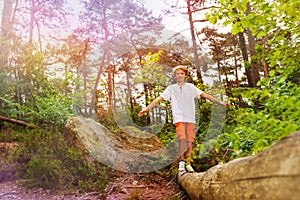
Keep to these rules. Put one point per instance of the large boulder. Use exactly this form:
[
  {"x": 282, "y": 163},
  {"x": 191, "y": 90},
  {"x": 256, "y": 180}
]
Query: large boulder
[
  {"x": 272, "y": 174},
  {"x": 127, "y": 149}
]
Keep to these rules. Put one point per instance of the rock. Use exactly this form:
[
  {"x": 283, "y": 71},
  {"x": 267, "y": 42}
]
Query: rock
[
  {"x": 127, "y": 149},
  {"x": 272, "y": 174}
]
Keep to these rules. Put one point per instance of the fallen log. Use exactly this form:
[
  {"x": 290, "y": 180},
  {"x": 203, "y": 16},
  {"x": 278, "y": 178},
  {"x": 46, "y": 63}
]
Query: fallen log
[
  {"x": 14, "y": 121},
  {"x": 272, "y": 174}
]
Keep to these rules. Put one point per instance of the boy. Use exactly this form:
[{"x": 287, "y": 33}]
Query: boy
[{"x": 182, "y": 97}]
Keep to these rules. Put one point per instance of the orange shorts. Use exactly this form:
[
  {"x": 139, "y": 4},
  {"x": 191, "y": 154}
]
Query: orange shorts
[{"x": 185, "y": 131}]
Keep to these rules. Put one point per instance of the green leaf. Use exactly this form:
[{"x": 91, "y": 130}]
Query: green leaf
[
  {"x": 246, "y": 22},
  {"x": 272, "y": 73},
  {"x": 236, "y": 28}
]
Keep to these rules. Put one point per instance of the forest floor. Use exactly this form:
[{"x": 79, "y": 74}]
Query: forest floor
[{"x": 125, "y": 186}]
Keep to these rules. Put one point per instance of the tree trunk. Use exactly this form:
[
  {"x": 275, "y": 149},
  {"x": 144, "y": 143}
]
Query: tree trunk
[
  {"x": 263, "y": 60},
  {"x": 247, "y": 65},
  {"x": 129, "y": 97},
  {"x": 228, "y": 85},
  {"x": 219, "y": 71},
  {"x": 6, "y": 19},
  {"x": 254, "y": 65},
  {"x": 243, "y": 47},
  {"x": 252, "y": 51},
  {"x": 109, "y": 88},
  {"x": 272, "y": 174},
  {"x": 195, "y": 48},
  {"x": 237, "y": 82},
  {"x": 92, "y": 103},
  {"x": 104, "y": 57},
  {"x": 6, "y": 24},
  {"x": 146, "y": 92},
  {"x": 85, "y": 74},
  {"x": 31, "y": 22}
]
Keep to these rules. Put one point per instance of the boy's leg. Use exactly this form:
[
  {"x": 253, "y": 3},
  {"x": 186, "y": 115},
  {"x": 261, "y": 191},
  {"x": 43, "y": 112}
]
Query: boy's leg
[
  {"x": 188, "y": 153},
  {"x": 181, "y": 137},
  {"x": 181, "y": 146},
  {"x": 189, "y": 150},
  {"x": 180, "y": 132},
  {"x": 190, "y": 138}
]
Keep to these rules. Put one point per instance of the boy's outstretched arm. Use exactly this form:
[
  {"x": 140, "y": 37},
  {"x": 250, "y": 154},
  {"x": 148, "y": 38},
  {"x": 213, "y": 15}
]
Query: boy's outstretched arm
[
  {"x": 151, "y": 105},
  {"x": 209, "y": 97}
]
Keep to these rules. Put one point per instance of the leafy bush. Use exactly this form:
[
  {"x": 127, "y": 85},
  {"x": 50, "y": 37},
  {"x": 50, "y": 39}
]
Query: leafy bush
[
  {"x": 51, "y": 111},
  {"x": 167, "y": 133},
  {"x": 272, "y": 114},
  {"x": 43, "y": 172},
  {"x": 44, "y": 111}
]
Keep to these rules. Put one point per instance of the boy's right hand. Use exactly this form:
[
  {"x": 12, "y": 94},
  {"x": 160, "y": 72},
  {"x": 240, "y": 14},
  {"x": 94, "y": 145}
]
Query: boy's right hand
[{"x": 142, "y": 113}]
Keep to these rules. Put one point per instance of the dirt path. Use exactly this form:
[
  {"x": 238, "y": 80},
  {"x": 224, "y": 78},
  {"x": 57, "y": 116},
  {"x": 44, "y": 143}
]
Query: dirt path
[
  {"x": 125, "y": 187},
  {"x": 144, "y": 186}
]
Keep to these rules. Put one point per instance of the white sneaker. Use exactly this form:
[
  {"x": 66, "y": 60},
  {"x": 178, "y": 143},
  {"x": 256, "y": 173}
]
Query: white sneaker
[
  {"x": 189, "y": 168},
  {"x": 181, "y": 167}
]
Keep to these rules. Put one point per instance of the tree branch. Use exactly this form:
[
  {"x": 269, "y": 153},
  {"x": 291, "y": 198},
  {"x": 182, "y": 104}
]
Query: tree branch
[{"x": 14, "y": 121}]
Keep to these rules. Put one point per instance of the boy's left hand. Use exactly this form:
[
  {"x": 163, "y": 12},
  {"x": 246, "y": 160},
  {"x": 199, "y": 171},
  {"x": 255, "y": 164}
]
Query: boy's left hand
[{"x": 226, "y": 104}]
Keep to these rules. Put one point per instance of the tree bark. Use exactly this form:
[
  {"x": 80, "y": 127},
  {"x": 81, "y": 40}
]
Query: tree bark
[
  {"x": 92, "y": 103},
  {"x": 252, "y": 52},
  {"x": 104, "y": 57},
  {"x": 6, "y": 19},
  {"x": 6, "y": 24},
  {"x": 254, "y": 65},
  {"x": 243, "y": 47},
  {"x": 237, "y": 82},
  {"x": 272, "y": 174},
  {"x": 195, "y": 48}
]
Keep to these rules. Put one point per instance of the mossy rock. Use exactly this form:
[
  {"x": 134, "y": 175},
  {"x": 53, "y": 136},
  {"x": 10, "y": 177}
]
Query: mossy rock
[{"x": 127, "y": 149}]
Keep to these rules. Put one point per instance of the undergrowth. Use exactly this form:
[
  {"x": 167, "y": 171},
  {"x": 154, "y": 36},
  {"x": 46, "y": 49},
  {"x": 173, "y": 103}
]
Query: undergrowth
[{"x": 46, "y": 161}]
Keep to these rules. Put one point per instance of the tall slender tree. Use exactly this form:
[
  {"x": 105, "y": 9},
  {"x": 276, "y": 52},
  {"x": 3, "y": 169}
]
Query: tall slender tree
[
  {"x": 224, "y": 52},
  {"x": 240, "y": 15},
  {"x": 194, "y": 42},
  {"x": 115, "y": 18},
  {"x": 6, "y": 28}
]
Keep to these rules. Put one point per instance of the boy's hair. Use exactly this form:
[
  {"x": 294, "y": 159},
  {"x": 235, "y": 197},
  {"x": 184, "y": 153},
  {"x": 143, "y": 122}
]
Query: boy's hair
[{"x": 182, "y": 67}]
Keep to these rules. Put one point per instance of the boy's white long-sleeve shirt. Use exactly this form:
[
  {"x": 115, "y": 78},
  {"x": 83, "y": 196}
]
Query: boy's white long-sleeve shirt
[{"x": 182, "y": 99}]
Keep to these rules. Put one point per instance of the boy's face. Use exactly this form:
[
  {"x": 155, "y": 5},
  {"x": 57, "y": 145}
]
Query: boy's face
[{"x": 180, "y": 75}]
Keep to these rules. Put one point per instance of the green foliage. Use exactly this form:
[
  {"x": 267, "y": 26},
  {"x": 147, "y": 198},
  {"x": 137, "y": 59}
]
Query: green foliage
[
  {"x": 30, "y": 95},
  {"x": 155, "y": 79},
  {"x": 272, "y": 114},
  {"x": 267, "y": 114},
  {"x": 46, "y": 111},
  {"x": 43, "y": 172},
  {"x": 53, "y": 110},
  {"x": 46, "y": 161},
  {"x": 152, "y": 72},
  {"x": 167, "y": 133},
  {"x": 256, "y": 15},
  {"x": 6, "y": 88}
]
